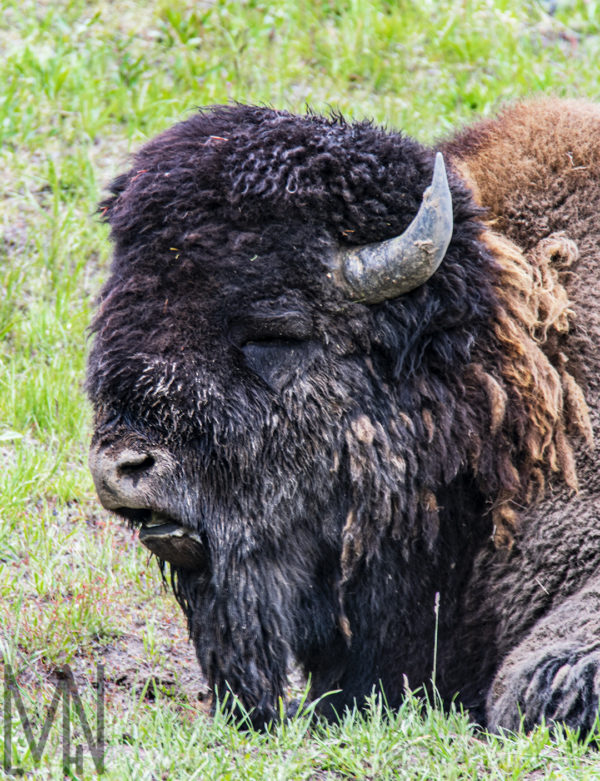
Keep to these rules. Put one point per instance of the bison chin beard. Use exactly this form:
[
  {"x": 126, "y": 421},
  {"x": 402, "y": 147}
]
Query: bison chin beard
[
  {"x": 239, "y": 616},
  {"x": 250, "y": 612}
]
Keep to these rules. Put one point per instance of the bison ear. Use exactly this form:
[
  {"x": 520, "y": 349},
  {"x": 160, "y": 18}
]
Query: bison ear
[{"x": 375, "y": 272}]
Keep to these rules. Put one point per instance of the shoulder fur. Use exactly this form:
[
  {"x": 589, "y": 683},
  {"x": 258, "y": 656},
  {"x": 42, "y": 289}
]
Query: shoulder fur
[
  {"x": 532, "y": 157},
  {"x": 523, "y": 168}
]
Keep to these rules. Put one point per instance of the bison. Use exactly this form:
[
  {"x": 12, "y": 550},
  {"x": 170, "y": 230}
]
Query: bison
[{"x": 339, "y": 378}]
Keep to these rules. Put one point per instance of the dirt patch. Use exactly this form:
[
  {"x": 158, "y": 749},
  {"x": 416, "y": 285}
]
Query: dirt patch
[
  {"x": 144, "y": 646},
  {"x": 177, "y": 675}
]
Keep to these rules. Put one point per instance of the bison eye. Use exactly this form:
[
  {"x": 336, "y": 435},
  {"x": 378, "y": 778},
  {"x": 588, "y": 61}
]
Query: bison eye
[{"x": 276, "y": 360}]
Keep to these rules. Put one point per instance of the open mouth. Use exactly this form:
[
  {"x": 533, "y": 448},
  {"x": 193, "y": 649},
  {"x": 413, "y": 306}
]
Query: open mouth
[{"x": 168, "y": 539}]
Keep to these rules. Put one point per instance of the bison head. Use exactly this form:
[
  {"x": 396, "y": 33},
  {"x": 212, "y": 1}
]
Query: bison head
[{"x": 264, "y": 348}]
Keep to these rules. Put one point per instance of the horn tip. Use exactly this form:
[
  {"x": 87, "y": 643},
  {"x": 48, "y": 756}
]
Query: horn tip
[{"x": 439, "y": 169}]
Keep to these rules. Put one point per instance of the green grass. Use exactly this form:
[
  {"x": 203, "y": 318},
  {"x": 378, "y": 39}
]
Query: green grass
[
  {"x": 82, "y": 84},
  {"x": 159, "y": 741}
]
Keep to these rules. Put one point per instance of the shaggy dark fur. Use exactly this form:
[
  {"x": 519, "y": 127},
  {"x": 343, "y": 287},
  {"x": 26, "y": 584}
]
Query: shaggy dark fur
[{"x": 343, "y": 463}]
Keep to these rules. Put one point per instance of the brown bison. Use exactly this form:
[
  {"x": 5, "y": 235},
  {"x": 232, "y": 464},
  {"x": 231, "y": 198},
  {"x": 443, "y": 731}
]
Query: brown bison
[{"x": 334, "y": 378}]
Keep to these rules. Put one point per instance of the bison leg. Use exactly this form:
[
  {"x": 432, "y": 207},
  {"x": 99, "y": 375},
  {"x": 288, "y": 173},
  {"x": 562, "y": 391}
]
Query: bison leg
[{"x": 554, "y": 673}]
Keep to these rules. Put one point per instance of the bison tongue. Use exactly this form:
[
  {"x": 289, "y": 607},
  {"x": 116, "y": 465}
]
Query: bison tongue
[{"x": 174, "y": 544}]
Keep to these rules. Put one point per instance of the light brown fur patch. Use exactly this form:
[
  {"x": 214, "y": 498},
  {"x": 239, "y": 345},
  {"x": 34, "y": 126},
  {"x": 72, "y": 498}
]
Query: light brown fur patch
[
  {"x": 545, "y": 146},
  {"x": 535, "y": 308},
  {"x": 536, "y": 169},
  {"x": 535, "y": 304}
]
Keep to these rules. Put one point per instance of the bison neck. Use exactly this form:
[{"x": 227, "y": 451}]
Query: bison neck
[{"x": 393, "y": 621}]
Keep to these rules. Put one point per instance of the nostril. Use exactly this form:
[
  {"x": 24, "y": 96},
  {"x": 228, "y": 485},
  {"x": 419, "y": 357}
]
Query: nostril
[{"x": 132, "y": 464}]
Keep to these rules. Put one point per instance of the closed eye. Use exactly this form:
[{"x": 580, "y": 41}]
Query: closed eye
[
  {"x": 285, "y": 327},
  {"x": 276, "y": 361}
]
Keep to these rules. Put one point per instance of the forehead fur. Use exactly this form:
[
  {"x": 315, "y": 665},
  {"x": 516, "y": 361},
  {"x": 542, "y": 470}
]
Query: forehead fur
[{"x": 247, "y": 165}]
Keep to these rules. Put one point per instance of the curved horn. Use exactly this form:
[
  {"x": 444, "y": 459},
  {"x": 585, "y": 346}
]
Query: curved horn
[{"x": 375, "y": 272}]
